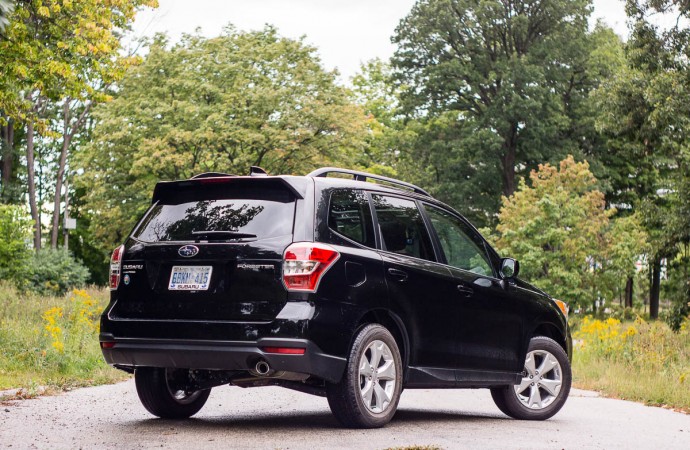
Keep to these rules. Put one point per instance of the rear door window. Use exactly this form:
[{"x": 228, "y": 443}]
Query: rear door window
[
  {"x": 263, "y": 213},
  {"x": 349, "y": 215},
  {"x": 402, "y": 227}
]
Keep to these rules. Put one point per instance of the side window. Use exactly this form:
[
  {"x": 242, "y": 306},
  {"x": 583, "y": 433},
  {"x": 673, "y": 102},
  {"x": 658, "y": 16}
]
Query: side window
[
  {"x": 349, "y": 215},
  {"x": 460, "y": 243},
  {"x": 402, "y": 227}
]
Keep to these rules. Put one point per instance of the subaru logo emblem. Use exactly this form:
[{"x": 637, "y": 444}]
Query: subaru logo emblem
[{"x": 188, "y": 250}]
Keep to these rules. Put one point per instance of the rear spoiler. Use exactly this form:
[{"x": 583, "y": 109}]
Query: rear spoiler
[{"x": 295, "y": 185}]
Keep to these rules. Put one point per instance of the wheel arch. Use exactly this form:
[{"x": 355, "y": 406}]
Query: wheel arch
[
  {"x": 395, "y": 325},
  {"x": 549, "y": 330}
]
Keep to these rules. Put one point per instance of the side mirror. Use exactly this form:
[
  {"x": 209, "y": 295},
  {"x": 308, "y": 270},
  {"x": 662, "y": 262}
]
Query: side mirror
[{"x": 510, "y": 268}]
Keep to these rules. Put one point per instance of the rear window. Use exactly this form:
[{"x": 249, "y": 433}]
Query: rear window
[{"x": 264, "y": 213}]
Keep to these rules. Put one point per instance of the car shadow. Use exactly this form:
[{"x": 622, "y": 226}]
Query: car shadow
[{"x": 278, "y": 421}]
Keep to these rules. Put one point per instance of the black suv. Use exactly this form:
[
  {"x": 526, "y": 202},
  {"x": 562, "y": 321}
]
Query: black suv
[{"x": 332, "y": 286}]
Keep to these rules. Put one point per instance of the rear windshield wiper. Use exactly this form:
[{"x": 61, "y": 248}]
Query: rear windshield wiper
[{"x": 222, "y": 235}]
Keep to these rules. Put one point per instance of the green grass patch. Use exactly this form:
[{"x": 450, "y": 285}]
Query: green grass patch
[
  {"x": 51, "y": 343},
  {"x": 634, "y": 360}
]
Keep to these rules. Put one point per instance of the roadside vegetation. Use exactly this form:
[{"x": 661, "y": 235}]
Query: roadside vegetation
[
  {"x": 50, "y": 343},
  {"x": 636, "y": 359}
]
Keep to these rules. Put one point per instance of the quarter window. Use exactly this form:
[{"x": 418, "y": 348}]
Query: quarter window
[
  {"x": 402, "y": 227},
  {"x": 350, "y": 216},
  {"x": 461, "y": 245}
]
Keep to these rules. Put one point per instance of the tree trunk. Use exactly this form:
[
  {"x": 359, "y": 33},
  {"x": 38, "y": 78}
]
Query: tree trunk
[
  {"x": 32, "y": 184},
  {"x": 69, "y": 130},
  {"x": 7, "y": 146},
  {"x": 654, "y": 290},
  {"x": 629, "y": 293},
  {"x": 67, "y": 137}
]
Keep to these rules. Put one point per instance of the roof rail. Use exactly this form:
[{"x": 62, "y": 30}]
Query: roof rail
[
  {"x": 363, "y": 176},
  {"x": 211, "y": 175}
]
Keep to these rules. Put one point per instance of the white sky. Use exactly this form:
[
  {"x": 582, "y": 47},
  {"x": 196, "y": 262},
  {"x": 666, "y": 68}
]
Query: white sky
[{"x": 346, "y": 32}]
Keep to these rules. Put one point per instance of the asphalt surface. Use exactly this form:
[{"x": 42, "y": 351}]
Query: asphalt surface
[{"x": 275, "y": 418}]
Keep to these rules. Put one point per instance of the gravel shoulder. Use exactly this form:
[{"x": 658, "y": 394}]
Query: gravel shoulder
[{"x": 111, "y": 417}]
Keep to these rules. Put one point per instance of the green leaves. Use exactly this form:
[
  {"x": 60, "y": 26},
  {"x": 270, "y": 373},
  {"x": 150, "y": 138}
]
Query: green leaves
[
  {"x": 563, "y": 236},
  {"x": 15, "y": 232},
  {"x": 220, "y": 104},
  {"x": 61, "y": 49},
  {"x": 511, "y": 81}
]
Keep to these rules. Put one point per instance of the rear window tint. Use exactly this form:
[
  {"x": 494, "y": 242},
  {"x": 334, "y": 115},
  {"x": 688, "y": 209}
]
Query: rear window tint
[
  {"x": 350, "y": 216},
  {"x": 402, "y": 227},
  {"x": 264, "y": 213}
]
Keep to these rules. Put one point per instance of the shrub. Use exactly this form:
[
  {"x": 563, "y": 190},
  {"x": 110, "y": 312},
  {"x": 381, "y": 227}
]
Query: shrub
[
  {"x": 638, "y": 360},
  {"x": 15, "y": 234},
  {"x": 54, "y": 272},
  {"x": 71, "y": 329}
]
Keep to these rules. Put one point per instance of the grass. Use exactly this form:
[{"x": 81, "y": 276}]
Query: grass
[
  {"x": 634, "y": 360},
  {"x": 51, "y": 343}
]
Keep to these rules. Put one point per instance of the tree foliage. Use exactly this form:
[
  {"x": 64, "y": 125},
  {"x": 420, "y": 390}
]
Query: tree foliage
[
  {"x": 563, "y": 235},
  {"x": 508, "y": 82},
  {"x": 220, "y": 104},
  {"x": 15, "y": 233},
  {"x": 58, "y": 49}
]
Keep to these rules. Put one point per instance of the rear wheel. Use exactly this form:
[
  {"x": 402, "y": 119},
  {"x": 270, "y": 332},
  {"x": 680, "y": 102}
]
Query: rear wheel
[
  {"x": 367, "y": 396},
  {"x": 162, "y": 393},
  {"x": 545, "y": 383}
]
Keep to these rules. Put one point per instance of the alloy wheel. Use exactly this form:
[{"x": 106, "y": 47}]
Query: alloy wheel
[
  {"x": 377, "y": 376},
  {"x": 542, "y": 380}
]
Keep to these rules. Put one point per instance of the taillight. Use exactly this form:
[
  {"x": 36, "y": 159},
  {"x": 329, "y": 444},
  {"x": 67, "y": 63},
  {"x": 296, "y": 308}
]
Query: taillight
[
  {"x": 115, "y": 266},
  {"x": 304, "y": 263}
]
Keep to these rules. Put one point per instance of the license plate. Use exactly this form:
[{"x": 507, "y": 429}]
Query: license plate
[{"x": 190, "y": 278}]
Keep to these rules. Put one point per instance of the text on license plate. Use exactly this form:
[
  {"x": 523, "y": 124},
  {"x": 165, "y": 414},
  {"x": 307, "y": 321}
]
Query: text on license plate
[{"x": 190, "y": 278}]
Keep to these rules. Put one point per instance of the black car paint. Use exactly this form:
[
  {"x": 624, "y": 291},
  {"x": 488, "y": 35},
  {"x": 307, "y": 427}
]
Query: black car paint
[{"x": 448, "y": 338}]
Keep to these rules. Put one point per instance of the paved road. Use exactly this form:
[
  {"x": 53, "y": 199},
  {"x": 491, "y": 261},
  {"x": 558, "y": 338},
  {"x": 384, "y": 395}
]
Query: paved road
[{"x": 111, "y": 417}]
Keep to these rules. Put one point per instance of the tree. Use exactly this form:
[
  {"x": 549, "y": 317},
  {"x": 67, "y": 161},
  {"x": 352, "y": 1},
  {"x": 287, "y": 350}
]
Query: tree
[
  {"x": 643, "y": 114},
  {"x": 221, "y": 104},
  {"x": 5, "y": 9},
  {"x": 496, "y": 87},
  {"x": 557, "y": 228},
  {"x": 374, "y": 91},
  {"x": 59, "y": 51},
  {"x": 15, "y": 230}
]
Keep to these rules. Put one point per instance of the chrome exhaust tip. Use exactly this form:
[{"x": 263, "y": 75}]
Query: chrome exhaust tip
[{"x": 262, "y": 368}]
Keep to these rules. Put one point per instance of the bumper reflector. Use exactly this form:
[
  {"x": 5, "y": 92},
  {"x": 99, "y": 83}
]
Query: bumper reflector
[
  {"x": 284, "y": 350},
  {"x": 107, "y": 344}
]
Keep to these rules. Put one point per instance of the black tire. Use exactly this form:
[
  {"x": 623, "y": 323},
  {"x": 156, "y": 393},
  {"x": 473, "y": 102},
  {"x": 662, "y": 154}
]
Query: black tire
[
  {"x": 507, "y": 399},
  {"x": 155, "y": 392},
  {"x": 346, "y": 397}
]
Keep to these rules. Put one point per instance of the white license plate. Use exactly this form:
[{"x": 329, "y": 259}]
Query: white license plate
[{"x": 190, "y": 278}]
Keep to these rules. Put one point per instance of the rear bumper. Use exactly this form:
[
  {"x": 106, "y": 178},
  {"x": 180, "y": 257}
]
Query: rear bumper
[{"x": 221, "y": 355}]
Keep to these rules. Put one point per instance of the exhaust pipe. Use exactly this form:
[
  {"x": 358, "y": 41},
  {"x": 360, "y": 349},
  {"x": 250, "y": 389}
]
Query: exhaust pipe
[{"x": 262, "y": 368}]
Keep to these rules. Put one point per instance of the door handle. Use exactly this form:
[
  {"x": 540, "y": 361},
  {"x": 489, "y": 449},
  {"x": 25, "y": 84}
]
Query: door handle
[
  {"x": 465, "y": 291},
  {"x": 397, "y": 274}
]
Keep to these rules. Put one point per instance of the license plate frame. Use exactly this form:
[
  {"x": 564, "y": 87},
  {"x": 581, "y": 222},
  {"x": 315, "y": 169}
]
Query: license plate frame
[{"x": 190, "y": 278}]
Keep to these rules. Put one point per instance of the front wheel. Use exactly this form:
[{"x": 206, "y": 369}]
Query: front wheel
[
  {"x": 545, "y": 383},
  {"x": 367, "y": 396},
  {"x": 163, "y": 394}
]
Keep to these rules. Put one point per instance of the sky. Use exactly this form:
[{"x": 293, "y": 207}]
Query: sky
[{"x": 345, "y": 32}]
